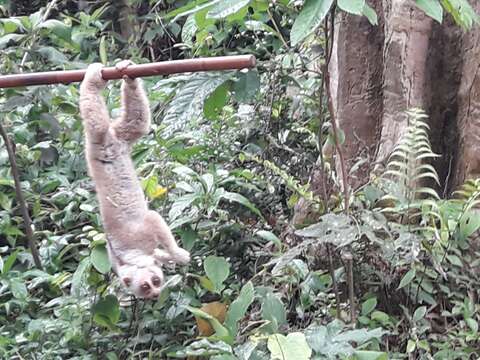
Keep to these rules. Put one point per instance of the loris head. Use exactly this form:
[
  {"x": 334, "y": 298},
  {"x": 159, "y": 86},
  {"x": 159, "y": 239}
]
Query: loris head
[{"x": 143, "y": 282}]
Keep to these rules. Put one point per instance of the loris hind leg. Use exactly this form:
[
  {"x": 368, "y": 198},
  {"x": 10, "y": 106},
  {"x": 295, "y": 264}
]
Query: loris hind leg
[
  {"x": 135, "y": 115},
  {"x": 92, "y": 105},
  {"x": 171, "y": 252}
]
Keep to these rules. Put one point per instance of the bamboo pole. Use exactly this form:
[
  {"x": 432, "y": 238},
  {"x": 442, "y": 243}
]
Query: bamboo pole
[{"x": 133, "y": 71}]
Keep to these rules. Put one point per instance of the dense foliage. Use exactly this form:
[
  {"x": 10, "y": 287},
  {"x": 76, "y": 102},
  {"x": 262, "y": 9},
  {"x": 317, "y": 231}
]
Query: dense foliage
[{"x": 228, "y": 157}]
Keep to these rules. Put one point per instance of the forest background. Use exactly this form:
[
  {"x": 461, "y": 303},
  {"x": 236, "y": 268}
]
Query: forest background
[{"x": 328, "y": 196}]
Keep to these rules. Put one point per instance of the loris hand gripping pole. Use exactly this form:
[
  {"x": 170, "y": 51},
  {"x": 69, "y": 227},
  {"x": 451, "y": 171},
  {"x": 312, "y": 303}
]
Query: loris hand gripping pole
[{"x": 133, "y": 71}]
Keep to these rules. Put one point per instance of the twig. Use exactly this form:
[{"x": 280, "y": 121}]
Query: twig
[
  {"x": 329, "y": 36},
  {"x": 334, "y": 280},
  {"x": 348, "y": 258},
  {"x": 21, "y": 199},
  {"x": 277, "y": 28}
]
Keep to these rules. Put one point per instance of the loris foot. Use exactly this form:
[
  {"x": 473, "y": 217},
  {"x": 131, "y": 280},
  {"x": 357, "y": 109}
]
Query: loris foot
[
  {"x": 93, "y": 76},
  {"x": 122, "y": 66},
  {"x": 178, "y": 256}
]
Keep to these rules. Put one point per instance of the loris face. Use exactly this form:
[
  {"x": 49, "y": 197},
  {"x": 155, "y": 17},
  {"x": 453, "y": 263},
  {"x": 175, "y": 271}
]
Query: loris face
[{"x": 144, "y": 282}]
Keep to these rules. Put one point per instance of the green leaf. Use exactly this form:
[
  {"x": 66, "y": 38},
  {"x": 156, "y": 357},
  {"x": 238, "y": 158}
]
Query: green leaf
[
  {"x": 352, "y": 6},
  {"x": 188, "y": 30},
  {"x": 368, "y": 306},
  {"x": 309, "y": 19},
  {"x": 411, "y": 345},
  {"x": 370, "y": 355},
  {"x": 99, "y": 259},
  {"x": 294, "y": 346},
  {"x": 11, "y": 24},
  {"x": 239, "y": 307},
  {"x": 419, "y": 314},
  {"x": 58, "y": 28},
  {"x": 469, "y": 223},
  {"x": 78, "y": 288},
  {"x": 407, "y": 278},
  {"x": 9, "y": 39},
  {"x": 370, "y": 14},
  {"x": 269, "y": 236},
  {"x": 220, "y": 330},
  {"x": 432, "y": 8},
  {"x": 235, "y": 197},
  {"x": 102, "y": 50},
  {"x": 225, "y": 8},
  {"x": 189, "y": 99},
  {"x": 213, "y": 106},
  {"x": 18, "y": 289},
  {"x": 10, "y": 261},
  {"x": 217, "y": 270},
  {"x": 472, "y": 324},
  {"x": 106, "y": 312},
  {"x": 246, "y": 86},
  {"x": 273, "y": 310}
]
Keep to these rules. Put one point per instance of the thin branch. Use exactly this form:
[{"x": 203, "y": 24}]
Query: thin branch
[
  {"x": 329, "y": 36},
  {"x": 331, "y": 269},
  {"x": 21, "y": 200},
  {"x": 277, "y": 28}
]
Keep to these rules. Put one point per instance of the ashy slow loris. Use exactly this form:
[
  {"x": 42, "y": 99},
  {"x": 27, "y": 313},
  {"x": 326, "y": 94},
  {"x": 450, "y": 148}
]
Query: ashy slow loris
[{"x": 133, "y": 231}]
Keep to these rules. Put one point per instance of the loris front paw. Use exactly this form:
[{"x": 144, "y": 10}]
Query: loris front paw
[
  {"x": 121, "y": 67},
  {"x": 93, "y": 76},
  {"x": 181, "y": 256},
  {"x": 178, "y": 256}
]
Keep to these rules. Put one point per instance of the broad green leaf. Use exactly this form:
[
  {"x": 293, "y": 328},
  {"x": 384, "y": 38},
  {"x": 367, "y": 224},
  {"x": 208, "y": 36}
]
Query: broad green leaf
[
  {"x": 246, "y": 87},
  {"x": 225, "y": 8},
  {"x": 411, "y": 345},
  {"x": 370, "y": 355},
  {"x": 309, "y": 19},
  {"x": 214, "y": 104},
  {"x": 432, "y": 8},
  {"x": 106, "y": 312},
  {"x": 18, "y": 288},
  {"x": 370, "y": 14},
  {"x": 220, "y": 330},
  {"x": 11, "y": 24},
  {"x": 469, "y": 223},
  {"x": 269, "y": 236},
  {"x": 273, "y": 310},
  {"x": 188, "y": 30},
  {"x": 58, "y": 28},
  {"x": 352, "y": 6},
  {"x": 189, "y": 99},
  {"x": 99, "y": 259},
  {"x": 217, "y": 270},
  {"x": 462, "y": 12},
  {"x": 78, "y": 287},
  {"x": 407, "y": 278},
  {"x": 235, "y": 197},
  {"x": 239, "y": 307},
  {"x": 472, "y": 324},
  {"x": 203, "y": 347},
  {"x": 10, "y": 261},
  {"x": 368, "y": 306},
  {"x": 419, "y": 314},
  {"x": 9, "y": 39},
  {"x": 294, "y": 346}
]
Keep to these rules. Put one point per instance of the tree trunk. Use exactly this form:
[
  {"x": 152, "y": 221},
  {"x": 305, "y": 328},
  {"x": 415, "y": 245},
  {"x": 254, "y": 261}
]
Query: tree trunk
[{"x": 407, "y": 60}]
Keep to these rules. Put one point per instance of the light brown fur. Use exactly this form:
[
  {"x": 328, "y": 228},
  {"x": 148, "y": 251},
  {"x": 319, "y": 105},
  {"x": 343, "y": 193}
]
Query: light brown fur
[{"x": 133, "y": 231}]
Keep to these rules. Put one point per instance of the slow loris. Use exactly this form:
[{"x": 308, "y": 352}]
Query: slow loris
[{"x": 133, "y": 231}]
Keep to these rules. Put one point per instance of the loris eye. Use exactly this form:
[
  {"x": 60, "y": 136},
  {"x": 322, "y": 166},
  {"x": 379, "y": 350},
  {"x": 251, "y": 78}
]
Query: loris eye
[
  {"x": 156, "y": 281},
  {"x": 145, "y": 287}
]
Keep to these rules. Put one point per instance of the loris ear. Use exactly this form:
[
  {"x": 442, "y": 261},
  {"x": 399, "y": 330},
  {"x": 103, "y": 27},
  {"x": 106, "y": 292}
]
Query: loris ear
[{"x": 127, "y": 281}]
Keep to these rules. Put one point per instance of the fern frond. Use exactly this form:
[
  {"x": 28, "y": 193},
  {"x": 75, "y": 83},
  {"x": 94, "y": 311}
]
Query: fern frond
[{"x": 407, "y": 160}]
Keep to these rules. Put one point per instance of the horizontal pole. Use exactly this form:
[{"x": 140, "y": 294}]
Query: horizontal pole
[{"x": 133, "y": 71}]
